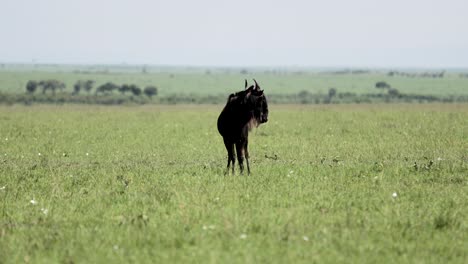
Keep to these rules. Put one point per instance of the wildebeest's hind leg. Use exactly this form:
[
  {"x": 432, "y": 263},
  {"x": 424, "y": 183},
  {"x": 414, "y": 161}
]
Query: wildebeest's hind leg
[
  {"x": 240, "y": 154},
  {"x": 231, "y": 158},
  {"x": 246, "y": 148}
]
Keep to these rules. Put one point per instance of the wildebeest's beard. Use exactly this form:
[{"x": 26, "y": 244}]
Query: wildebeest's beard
[
  {"x": 264, "y": 109},
  {"x": 261, "y": 109}
]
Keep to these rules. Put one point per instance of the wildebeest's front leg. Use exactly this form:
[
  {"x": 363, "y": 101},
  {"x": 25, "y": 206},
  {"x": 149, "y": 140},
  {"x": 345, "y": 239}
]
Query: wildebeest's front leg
[
  {"x": 246, "y": 148},
  {"x": 240, "y": 154},
  {"x": 231, "y": 158}
]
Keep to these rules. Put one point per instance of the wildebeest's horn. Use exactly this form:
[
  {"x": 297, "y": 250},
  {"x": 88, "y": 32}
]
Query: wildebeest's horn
[
  {"x": 257, "y": 87},
  {"x": 245, "y": 84}
]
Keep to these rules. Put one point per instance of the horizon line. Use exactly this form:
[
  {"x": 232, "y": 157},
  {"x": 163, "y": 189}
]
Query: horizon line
[{"x": 233, "y": 66}]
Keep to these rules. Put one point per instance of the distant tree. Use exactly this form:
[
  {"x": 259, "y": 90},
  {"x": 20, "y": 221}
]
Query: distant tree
[
  {"x": 124, "y": 88},
  {"x": 382, "y": 85},
  {"x": 135, "y": 90},
  {"x": 31, "y": 86},
  {"x": 77, "y": 87},
  {"x": 52, "y": 85},
  {"x": 85, "y": 85},
  {"x": 108, "y": 87},
  {"x": 88, "y": 85},
  {"x": 393, "y": 92},
  {"x": 331, "y": 92},
  {"x": 150, "y": 91}
]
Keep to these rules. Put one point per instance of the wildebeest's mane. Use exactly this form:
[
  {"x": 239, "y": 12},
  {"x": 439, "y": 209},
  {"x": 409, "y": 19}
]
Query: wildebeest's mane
[{"x": 239, "y": 97}]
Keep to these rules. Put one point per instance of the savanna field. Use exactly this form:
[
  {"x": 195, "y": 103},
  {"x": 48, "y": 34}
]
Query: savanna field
[{"x": 382, "y": 183}]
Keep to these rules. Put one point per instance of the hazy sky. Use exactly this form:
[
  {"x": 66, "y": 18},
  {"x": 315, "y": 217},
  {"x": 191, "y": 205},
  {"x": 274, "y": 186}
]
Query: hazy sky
[{"x": 326, "y": 33}]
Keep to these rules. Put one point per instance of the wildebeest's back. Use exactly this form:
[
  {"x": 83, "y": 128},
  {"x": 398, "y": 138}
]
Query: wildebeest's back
[
  {"x": 227, "y": 123},
  {"x": 231, "y": 122}
]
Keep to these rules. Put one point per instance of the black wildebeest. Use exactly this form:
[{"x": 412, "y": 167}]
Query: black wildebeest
[{"x": 244, "y": 110}]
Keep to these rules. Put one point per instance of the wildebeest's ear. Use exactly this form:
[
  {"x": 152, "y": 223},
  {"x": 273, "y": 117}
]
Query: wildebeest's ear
[
  {"x": 245, "y": 84},
  {"x": 257, "y": 87}
]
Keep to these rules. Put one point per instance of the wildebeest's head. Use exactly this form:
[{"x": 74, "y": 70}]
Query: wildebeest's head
[{"x": 258, "y": 103}]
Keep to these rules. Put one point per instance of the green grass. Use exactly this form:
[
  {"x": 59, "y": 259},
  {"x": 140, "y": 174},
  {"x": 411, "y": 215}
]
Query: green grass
[
  {"x": 146, "y": 184},
  {"x": 199, "y": 83}
]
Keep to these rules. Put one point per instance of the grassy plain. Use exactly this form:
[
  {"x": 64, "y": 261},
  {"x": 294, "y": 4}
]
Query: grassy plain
[{"x": 145, "y": 184}]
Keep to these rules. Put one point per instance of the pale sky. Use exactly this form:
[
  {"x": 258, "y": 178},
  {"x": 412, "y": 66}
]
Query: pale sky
[{"x": 326, "y": 33}]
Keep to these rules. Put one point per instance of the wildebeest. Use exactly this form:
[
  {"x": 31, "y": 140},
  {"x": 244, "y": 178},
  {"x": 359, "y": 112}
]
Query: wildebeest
[{"x": 244, "y": 110}]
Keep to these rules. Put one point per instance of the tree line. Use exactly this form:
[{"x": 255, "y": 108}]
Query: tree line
[
  {"x": 87, "y": 86},
  {"x": 417, "y": 75},
  {"x": 107, "y": 94}
]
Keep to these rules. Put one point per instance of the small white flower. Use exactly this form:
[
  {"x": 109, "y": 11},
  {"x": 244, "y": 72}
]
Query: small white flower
[
  {"x": 39, "y": 154},
  {"x": 306, "y": 238},
  {"x": 243, "y": 236},
  {"x": 291, "y": 172},
  {"x": 394, "y": 195},
  {"x": 115, "y": 247},
  {"x": 44, "y": 210},
  {"x": 6, "y": 139},
  {"x": 87, "y": 154},
  {"x": 33, "y": 201},
  {"x": 2, "y": 188},
  {"x": 439, "y": 159},
  {"x": 208, "y": 227},
  {"x": 216, "y": 199}
]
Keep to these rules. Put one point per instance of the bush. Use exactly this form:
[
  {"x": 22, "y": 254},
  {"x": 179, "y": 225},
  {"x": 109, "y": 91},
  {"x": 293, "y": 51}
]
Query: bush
[
  {"x": 31, "y": 86},
  {"x": 135, "y": 90},
  {"x": 150, "y": 91},
  {"x": 393, "y": 92},
  {"x": 382, "y": 85},
  {"x": 124, "y": 88}
]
